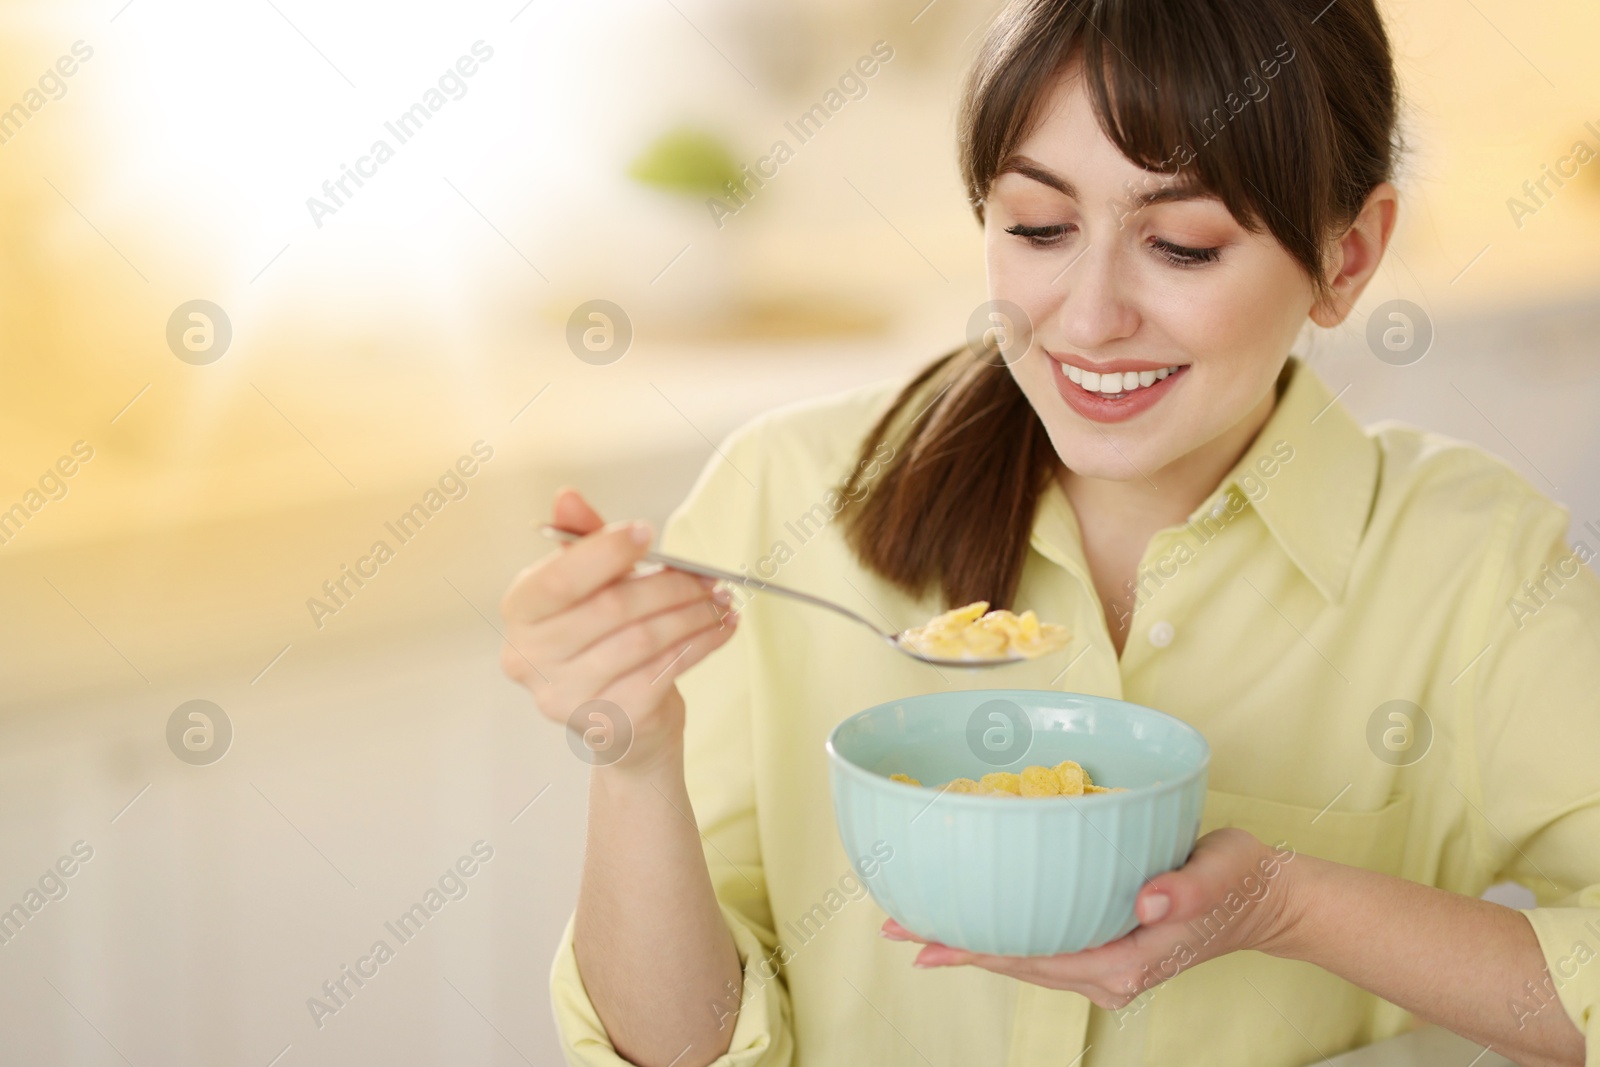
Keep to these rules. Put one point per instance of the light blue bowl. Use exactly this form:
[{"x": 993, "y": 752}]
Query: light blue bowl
[{"x": 1029, "y": 876}]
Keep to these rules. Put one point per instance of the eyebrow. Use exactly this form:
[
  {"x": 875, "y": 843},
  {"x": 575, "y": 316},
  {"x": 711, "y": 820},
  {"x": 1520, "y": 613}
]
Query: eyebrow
[{"x": 1028, "y": 168}]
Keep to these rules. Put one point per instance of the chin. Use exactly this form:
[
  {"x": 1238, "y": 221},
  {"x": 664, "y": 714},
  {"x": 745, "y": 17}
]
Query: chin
[
  {"x": 1114, "y": 452},
  {"x": 1092, "y": 455}
]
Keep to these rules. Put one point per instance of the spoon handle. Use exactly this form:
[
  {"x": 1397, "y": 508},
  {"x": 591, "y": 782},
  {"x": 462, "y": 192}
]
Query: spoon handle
[{"x": 555, "y": 533}]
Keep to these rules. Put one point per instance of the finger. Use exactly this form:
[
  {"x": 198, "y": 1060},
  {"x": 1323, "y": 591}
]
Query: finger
[
  {"x": 1154, "y": 902},
  {"x": 518, "y": 665},
  {"x": 566, "y": 634},
  {"x": 938, "y": 954},
  {"x": 1052, "y": 972},
  {"x": 573, "y": 573},
  {"x": 941, "y": 956},
  {"x": 935, "y": 954},
  {"x": 572, "y": 512},
  {"x": 1184, "y": 894},
  {"x": 1027, "y": 969},
  {"x": 624, "y": 651},
  {"x": 651, "y": 679},
  {"x": 895, "y": 932}
]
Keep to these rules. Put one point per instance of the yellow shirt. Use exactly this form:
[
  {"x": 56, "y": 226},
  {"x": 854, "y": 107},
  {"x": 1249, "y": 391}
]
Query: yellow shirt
[{"x": 1333, "y": 571}]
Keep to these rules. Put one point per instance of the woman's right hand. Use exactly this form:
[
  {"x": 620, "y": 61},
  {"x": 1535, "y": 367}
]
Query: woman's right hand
[{"x": 581, "y": 626}]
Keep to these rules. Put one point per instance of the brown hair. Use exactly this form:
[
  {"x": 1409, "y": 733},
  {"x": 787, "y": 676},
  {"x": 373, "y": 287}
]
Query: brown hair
[{"x": 1284, "y": 110}]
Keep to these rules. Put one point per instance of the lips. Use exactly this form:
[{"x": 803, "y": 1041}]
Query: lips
[
  {"x": 1114, "y": 383},
  {"x": 1118, "y": 390}
]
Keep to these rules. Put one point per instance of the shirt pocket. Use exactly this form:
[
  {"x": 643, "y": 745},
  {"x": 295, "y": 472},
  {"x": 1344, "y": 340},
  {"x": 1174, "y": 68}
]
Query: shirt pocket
[
  {"x": 1375, "y": 840},
  {"x": 1254, "y": 1009}
]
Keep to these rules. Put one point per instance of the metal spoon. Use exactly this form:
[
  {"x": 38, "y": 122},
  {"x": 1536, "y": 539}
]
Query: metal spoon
[{"x": 555, "y": 533}]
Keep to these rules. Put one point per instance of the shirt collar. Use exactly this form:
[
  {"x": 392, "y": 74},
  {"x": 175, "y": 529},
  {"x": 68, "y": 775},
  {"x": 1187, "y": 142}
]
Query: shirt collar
[{"x": 1310, "y": 476}]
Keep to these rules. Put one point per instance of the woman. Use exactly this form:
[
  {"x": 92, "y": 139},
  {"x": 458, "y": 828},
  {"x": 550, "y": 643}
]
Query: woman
[{"x": 1383, "y": 635}]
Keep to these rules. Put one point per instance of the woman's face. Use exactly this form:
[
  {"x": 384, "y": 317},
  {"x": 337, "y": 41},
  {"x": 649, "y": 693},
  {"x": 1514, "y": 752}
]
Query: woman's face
[{"x": 1172, "y": 290}]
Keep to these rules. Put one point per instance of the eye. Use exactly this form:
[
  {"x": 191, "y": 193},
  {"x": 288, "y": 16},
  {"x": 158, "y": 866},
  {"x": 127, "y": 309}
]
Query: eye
[
  {"x": 1039, "y": 236},
  {"x": 1182, "y": 256}
]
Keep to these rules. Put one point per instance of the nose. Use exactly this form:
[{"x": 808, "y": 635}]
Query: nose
[{"x": 1098, "y": 306}]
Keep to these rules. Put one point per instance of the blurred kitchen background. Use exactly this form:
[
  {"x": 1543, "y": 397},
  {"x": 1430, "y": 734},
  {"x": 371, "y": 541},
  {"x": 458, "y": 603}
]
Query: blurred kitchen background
[{"x": 374, "y": 343}]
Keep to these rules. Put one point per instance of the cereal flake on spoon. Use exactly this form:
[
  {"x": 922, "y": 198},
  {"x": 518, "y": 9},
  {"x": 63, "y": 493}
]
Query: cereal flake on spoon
[{"x": 975, "y": 633}]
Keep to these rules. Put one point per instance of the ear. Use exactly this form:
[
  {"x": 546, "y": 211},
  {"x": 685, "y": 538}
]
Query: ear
[{"x": 1357, "y": 255}]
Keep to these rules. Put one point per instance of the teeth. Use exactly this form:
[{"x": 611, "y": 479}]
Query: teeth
[{"x": 1115, "y": 384}]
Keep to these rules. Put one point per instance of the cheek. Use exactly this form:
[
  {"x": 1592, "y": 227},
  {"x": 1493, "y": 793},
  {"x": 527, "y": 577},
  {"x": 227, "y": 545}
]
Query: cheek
[
  {"x": 1024, "y": 277},
  {"x": 1237, "y": 320},
  {"x": 1206, "y": 324}
]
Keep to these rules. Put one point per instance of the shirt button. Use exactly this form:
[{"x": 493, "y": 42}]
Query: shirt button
[{"x": 1162, "y": 633}]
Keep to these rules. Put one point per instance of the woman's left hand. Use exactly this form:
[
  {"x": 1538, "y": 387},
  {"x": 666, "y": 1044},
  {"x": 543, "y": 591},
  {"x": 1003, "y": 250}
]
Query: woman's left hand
[{"x": 1231, "y": 894}]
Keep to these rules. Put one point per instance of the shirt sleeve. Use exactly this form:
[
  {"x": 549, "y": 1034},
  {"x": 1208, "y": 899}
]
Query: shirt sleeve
[
  {"x": 1538, "y": 748},
  {"x": 717, "y": 523}
]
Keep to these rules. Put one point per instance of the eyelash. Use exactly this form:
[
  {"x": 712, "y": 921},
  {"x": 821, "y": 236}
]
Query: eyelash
[{"x": 1176, "y": 254}]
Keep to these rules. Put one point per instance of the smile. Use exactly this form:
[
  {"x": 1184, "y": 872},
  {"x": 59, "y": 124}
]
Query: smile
[
  {"x": 1114, "y": 384},
  {"x": 1114, "y": 395}
]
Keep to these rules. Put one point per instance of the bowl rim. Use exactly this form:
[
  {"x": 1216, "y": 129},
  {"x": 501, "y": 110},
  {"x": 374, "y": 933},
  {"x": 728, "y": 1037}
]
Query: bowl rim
[{"x": 1128, "y": 795}]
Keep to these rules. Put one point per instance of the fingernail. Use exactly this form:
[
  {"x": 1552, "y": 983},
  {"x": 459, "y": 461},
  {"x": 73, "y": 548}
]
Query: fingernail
[
  {"x": 891, "y": 935},
  {"x": 641, "y": 533},
  {"x": 721, "y": 596},
  {"x": 1156, "y": 907}
]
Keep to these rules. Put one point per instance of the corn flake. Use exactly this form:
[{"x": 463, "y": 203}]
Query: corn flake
[
  {"x": 1072, "y": 777},
  {"x": 1000, "y": 782},
  {"x": 1067, "y": 779},
  {"x": 1040, "y": 782},
  {"x": 974, "y": 632}
]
